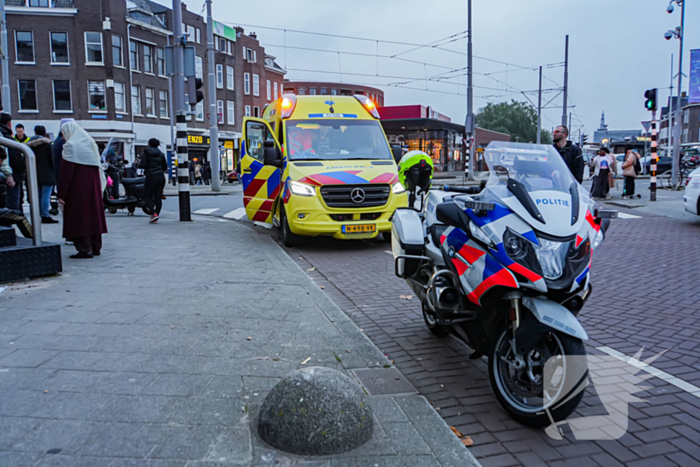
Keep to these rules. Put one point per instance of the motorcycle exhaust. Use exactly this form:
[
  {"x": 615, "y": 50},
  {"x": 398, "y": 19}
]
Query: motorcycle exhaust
[{"x": 443, "y": 293}]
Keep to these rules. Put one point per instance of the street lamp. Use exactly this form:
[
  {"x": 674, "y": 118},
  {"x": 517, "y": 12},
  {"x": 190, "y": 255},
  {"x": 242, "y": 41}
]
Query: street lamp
[{"x": 678, "y": 34}]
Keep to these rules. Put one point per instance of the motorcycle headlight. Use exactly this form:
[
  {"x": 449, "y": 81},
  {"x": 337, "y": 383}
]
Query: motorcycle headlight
[
  {"x": 301, "y": 189},
  {"x": 515, "y": 247},
  {"x": 552, "y": 258},
  {"x": 479, "y": 234},
  {"x": 398, "y": 189}
]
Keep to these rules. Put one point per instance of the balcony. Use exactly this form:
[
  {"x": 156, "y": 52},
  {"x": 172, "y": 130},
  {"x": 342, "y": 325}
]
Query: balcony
[{"x": 40, "y": 3}]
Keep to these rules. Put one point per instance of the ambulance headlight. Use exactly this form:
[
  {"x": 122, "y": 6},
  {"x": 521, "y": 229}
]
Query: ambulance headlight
[
  {"x": 301, "y": 189},
  {"x": 398, "y": 188}
]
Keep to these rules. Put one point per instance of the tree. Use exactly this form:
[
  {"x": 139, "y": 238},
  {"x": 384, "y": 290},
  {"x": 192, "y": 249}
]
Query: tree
[{"x": 517, "y": 119}]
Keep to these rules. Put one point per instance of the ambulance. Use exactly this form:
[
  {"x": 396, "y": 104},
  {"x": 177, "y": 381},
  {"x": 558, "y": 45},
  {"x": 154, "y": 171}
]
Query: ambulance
[{"x": 320, "y": 166}]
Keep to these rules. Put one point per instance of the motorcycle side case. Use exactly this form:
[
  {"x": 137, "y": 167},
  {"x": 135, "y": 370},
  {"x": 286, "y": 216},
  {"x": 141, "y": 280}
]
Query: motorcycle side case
[{"x": 407, "y": 238}]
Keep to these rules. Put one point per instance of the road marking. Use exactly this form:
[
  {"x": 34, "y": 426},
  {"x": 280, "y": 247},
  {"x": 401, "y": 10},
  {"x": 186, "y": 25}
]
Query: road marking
[
  {"x": 262, "y": 224},
  {"x": 624, "y": 215},
  {"x": 388, "y": 252},
  {"x": 236, "y": 214},
  {"x": 677, "y": 382},
  {"x": 206, "y": 211}
]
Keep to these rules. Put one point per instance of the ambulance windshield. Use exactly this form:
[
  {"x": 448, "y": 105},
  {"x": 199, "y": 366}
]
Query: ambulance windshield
[{"x": 336, "y": 139}]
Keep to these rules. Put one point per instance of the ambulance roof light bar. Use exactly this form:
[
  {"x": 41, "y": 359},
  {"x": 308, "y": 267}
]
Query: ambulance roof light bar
[
  {"x": 289, "y": 102},
  {"x": 368, "y": 105}
]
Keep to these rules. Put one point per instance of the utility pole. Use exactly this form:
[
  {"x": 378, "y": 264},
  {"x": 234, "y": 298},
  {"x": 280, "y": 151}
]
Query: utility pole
[
  {"x": 654, "y": 157},
  {"x": 539, "y": 111},
  {"x": 679, "y": 110},
  {"x": 469, "y": 124},
  {"x": 569, "y": 127},
  {"x": 566, "y": 79},
  {"x": 670, "y": 128},
  {"x": 171, "y": 112},
  {"x": 6, "y": 96},
  {"x": 214, "y": 157},
  {"x": 183, "y": 161}
]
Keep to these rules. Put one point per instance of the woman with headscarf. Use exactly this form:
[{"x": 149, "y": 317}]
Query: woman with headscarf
[
  {"x": 603, "y": 163},
  {"x": 80, "y": 187}
]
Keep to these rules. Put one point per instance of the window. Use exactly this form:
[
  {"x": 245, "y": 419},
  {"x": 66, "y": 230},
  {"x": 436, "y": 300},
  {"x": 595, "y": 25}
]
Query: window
[
  {"x": 256, "y": 85},
  {"x": 231, "y": 117},
  {"x": 198, "y": 35},
  {"x": 160, "y": 62},
  {"x": 220, "y": 112},
  {"x": 276, "y": 94},
  {"x": 247, "y": 111},
  {"x": 117, "y": 51},
  {"x": 255, "y": 56},
  {"x": 222, "y": 44},
  {"x": 24, "y": 45},
  {"x": 96, "y": 96},
  {"x": 256, "y": 111},
  {"x": 39, "y": 3},
  {"x": 302, "y": 91},
  {"x": 334, "y": 92},
  {"x": 229, "y": 47},
  {"x": 249, "y": 54},
  {"x": 150, "y": 102},
  {"x": 200, "y": 112},
  {"x": 324, "y": 91},
  {"x": 312, "y": 91},
  {"x": 61, "y": 96},
  {"x": 269, "y": 90},
  {"x": 191, "y": 37},
  {"x": 59, "y": 47},
  {"x": 246, "y": 84},
  {"x": 147, "y": 59},
  {"x": 119, "y": 97},
  {"x": 27, "y": 95},
  {"x": 198, "y": 68},
  {"x": 219, "y": 76},
  {"x": 93, "y": 48},
  {"x": 229, "y": 78},
  {"x": 136, "y": 100},
  {"x": 163, "y": 104},
  {"x": 134, "y": 56}
]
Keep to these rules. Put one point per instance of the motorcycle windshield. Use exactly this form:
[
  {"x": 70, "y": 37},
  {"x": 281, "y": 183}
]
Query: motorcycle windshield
[{"x": 537, "y": 167}]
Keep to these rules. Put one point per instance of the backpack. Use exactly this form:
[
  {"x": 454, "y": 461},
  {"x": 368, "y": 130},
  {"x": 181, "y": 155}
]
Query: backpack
[{"x": 637, "y": 165}]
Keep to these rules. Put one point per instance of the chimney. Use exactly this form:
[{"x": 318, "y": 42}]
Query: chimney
[
  {"x": 253, "y": 35},
  {"x": 239, "y": 30}
]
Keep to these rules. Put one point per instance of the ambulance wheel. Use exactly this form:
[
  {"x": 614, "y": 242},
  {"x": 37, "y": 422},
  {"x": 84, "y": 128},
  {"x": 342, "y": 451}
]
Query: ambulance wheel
[
  {"x": 288, "y": 238},
  {"x": 386, "y": 236},
  {"x": 431, "y": 321}
]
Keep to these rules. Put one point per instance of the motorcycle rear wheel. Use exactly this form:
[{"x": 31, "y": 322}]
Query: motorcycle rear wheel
[
  {"x": 536, "y": 411},
  {"x": 112, "y": 209}
]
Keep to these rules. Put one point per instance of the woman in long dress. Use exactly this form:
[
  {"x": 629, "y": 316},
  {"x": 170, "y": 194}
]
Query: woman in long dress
[
  {"x": 602, "y": 163},
  {"x": 80, "y": 187}
]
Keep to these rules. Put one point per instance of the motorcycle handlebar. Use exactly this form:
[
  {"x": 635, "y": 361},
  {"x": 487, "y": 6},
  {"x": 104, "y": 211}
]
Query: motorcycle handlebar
[{"x": 469, "y": 190}]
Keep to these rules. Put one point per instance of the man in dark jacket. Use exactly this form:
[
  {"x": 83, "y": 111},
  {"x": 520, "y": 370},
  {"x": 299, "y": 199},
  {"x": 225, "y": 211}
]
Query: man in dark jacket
[
  {"x": 154, "y": 164},
  {"x": 15, "y": 194},
  {"x": 41, "y": 145},
  {"x": 572, "y": 155}
]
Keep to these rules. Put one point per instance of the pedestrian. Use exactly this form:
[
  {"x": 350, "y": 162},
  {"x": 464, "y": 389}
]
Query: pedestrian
[
  {"x": 80, "y": 188},
  {"x": 113, "y": 168},
  {"x": 15, "y": 194},
  {"x": 41, "y": 145},
  {"x": 207, "y": 173},
  {"x": 57, "y": 154},
  {"x": 601, "y": 181},
  {"x": 197, "y": 174},
  {"x": 5, "y": 169},
  {"x": 630, "y": 169},
  {"x": 20, "y": 135},
  {"x": 154, "y": 164},
  {"x": 571, "y": 153},
  {"x": 191, "y": 169}
]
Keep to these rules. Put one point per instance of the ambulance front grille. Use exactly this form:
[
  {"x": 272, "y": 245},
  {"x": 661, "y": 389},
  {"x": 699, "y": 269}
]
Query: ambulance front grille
[{"x": 340, "y": 196}]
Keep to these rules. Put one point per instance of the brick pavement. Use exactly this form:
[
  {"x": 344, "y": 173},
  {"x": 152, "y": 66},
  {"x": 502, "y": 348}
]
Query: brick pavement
[
  {"x": 639, "y": 299},
  {"x": 159, "y": 353}
]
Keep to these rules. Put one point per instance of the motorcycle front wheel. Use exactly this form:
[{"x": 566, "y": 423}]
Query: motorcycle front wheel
[{"x": 530, "y": 394}]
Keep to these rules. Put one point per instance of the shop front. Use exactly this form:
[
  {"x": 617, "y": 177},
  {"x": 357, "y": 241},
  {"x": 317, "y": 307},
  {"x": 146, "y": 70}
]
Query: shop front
[{"x": 441, "y": 140}]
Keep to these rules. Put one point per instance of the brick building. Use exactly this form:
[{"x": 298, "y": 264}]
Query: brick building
[
  {"x": 102, "y": 62},
  {"x": 321, "y": 88}
]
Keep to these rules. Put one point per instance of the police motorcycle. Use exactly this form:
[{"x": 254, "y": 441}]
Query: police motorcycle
[{"x": 506, "y": 269}]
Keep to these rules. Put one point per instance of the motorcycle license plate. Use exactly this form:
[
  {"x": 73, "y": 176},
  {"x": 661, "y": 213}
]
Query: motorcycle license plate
[{"x": 359, "y": 228}]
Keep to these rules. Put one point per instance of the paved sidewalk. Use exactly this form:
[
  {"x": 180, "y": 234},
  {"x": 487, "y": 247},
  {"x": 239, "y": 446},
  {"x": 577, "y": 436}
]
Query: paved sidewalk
[
  {"x": 161, "y": 351},
  {"x": 205, "y": 190}
]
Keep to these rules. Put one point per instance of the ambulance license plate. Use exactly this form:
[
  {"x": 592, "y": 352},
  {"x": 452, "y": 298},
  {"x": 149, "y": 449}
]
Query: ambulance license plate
[{"x": 359, "y": 228}]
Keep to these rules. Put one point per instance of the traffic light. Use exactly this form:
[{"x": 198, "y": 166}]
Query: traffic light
[
  {"x": 584, "y": 139},
  {"x": 194, "y": 90},
  {"x": 650, "y": 96}
]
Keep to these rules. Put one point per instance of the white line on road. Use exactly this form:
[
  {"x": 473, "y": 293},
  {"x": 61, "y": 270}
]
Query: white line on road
[
  {"x": 206, "y": 211},
  {"x": 624, "y": 215},
  {"x": 236, "y": 214},
  {"x": 670, "y": 379},
  {"x": 389, "y": 252},
  {"x": 262, "y": 224}
]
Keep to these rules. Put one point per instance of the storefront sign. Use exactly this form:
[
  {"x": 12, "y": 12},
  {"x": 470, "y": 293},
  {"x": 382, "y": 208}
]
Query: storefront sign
[
  {"x": 224, "y": 31},
  {"x": 197, "y": 139},
  {"x": 228, "y": 144}
]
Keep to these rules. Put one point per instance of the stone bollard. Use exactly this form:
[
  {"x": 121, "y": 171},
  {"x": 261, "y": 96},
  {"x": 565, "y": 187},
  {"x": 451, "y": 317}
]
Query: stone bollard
[{"x": 316, "y": 411}]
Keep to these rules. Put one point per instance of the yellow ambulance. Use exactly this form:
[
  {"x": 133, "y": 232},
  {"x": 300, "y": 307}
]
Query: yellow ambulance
[{"x": 320, "y": 165}]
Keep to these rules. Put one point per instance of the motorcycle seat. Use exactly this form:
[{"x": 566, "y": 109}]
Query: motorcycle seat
[{"x": 133, "y": 181}]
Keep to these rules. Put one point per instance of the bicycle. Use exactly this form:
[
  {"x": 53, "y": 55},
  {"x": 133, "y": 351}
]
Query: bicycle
[{"x": 684, "y": 169}]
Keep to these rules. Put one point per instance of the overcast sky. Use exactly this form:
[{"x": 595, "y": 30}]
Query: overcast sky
[{"x": 617, "y": 49}]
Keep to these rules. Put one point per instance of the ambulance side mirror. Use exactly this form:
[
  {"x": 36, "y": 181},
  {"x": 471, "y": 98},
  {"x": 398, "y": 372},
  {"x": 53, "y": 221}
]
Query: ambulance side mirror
[
  {"x": 272, "y": 155},
  {"x": 397, "y": 152}
]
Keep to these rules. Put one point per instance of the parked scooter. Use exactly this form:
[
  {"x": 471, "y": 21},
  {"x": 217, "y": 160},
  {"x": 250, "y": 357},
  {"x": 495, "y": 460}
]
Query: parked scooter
[
  {"x": 506, "y": 270},
  {"x": 133, "y": 198}
]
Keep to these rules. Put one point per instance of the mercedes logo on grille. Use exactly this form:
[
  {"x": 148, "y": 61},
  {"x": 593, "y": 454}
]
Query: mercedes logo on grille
[{"x": 357, "y": 195}]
